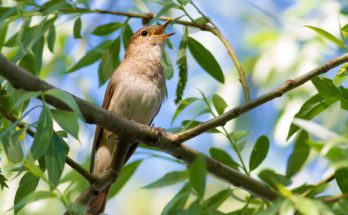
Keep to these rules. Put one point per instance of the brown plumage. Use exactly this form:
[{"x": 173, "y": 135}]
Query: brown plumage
[{"x": 136, "y": 91}]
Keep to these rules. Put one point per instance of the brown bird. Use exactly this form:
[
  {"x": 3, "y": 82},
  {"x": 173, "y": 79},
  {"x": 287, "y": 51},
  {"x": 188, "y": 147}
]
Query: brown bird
[{"x": 136, "y": 91}]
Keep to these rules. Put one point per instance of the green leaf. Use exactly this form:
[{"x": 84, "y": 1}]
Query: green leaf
[
  {"x": 55, "y": 160},
  {"x": 43, "y": 135},
  {"x": 182, "y": 66},
  {"x": 223, "y": 157},
  {"x": 164, "y": 10},
  {"x": 183, "y": 104},
  {"x": 197, "y": 176},
  {"x": 3, "y": 33},
  {"x": 24, "y": 96},
  {"x": 27, "y": 185},
  {"x": 307, "y": 206},
  {"x": 167, "y": 66},
  {"x": 51, "y": 37},
  {"x": 125, "y": 174},
  {"x": 33, "y": 197},
  {"x": 169, "y": 179},
  {"x": 3, "y": 181},
  {"x": 326, "y": 88},
  {"x": 12, "y": 146},
  {"x": 106, "y": 29},
  {"x": 219, "y": 104},
  {"x": 178, "y": 202},
  {"x": 328, "y": 36},
  {"x": 109, "y": 62},
  {"x": 205, "y": 59},
  {"x": 311, "y": 108},
  {"x": 66, "y": 98},
  {"x": 92, "y": 56},
  {"x": 341, "y": 176},
  {"x": 341, "y": 76},
  {"x": 299, "y": 155},
  {"x": 273, "y": 179},
  {"x": 77, "y": 28},
  {"x": 67, "y": 120},
  {"x": 53, "y": 6},
  {"x": 345, "y": 28},
  {"x": 217, "y": 199},
  {"x": 126, "y": 35},
  {"x": 259, "y": 152}
]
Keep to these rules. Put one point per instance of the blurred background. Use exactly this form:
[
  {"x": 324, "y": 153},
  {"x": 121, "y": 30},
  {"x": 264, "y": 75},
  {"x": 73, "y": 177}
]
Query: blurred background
[{"x": 273, "y": 45}]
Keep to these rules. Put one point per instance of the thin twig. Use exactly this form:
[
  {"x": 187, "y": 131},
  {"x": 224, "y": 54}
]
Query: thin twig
[{"x": 31, "y": 133}]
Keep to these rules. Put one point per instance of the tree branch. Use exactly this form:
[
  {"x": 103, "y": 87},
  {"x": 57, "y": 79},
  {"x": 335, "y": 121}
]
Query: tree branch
[
  {"x": 77, "y": 167},
  {"x": 278, "y": 92},
  {"x": 19, "y": 78}
]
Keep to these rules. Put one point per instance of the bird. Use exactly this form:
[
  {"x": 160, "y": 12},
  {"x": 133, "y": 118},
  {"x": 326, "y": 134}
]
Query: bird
[{"x": 135, "y": 91}]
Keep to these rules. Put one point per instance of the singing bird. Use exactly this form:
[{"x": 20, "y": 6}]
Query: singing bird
[{"x": 136, "y": 91}]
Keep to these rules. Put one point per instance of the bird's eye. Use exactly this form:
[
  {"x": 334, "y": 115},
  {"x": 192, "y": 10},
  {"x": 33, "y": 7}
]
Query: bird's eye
[{"x": 144, "y": 33}]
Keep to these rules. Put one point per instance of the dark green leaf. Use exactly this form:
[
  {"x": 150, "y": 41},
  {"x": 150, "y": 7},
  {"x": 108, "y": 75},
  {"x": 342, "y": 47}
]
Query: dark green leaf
[
  {"x": 51, "y": 37},
  {"x": 187, "y": 124},
  {"x": 201, "y": 20},
  {"x": 67, "y": 120},
  {"x": 77, "y": 28},
  {"x": 197, "y": 176},
  {"x": 169, "y": 179},
  {"x": 217, "y": 199},
  {"x": 28, "y": 63},
  {"x": 299, "y": 155},
  {"x": 182, "y": 66},
  {"x": 3, "y": 33},
  {"x": 178, "y": 202},
  {"x": 167, "y": 66},
  {"x": 341, "y": 176},
  {"x": 27, "y": 185},
  {"x": 125, "y": 174},
  {"x": 107, "y": 28},
  {"x": 219, "y": 104},
  {"x": 311, "y": 108},
  {"x": 183, "y": 104},
  {"x": 33, "y": 197},
  {"x": 127, "y": 34},
  {"x": 328, "y": 36},
  {"x": 66, "y": 98},
  {"x": 43, "y": 135},
  {"x": 92, "y": 56},
  {"x": 24, "y": 96},
  {"x": 259, "y": 152},
  {"x": 205, "y": 59},
  {"x": 109, "y": 62},
  {"x": 55, "y": 160},
  {"x": 3, "y": 181},
  {"x": 223, "y": 157},
  {"x": 273, "y": 179}
]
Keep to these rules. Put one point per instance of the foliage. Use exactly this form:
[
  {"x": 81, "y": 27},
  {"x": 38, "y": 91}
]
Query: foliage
[{"x": 31, "y": 35}]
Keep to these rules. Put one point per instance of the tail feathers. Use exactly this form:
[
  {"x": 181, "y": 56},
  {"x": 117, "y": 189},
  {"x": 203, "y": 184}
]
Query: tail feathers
[{"x": 97, "y": 203}]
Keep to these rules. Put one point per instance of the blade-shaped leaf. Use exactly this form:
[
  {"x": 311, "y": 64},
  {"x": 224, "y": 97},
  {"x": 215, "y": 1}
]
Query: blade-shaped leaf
[
  {"x": 51, "y": 37},
  {"x": 125, "y": 174},
  {"x": 219, "y": 103},
  {"x": 107, "y": 28},
  {"x": 197, "y": 176},
  {"x": 126, "y": 35},
  {"x": 259, "y": 152},
  {"x": 182, "y": 66},
  {"x": 77, "y": 28},
  {"x": 169, "y": 179},
  {"x": 327, "y": 35},
  {"x": 217, "y": 199},
  {"x": 33, "y": 197},
  {"x": 167, "y": 66},
  {"x": 67, "y": 120},
  {"x": 223, "y": 157},
  {"x": 178, "y": 202},
  {"x": 205, "y": 59},
  {"x": 341, "y": 176},
  {"x": 27, "y": 185},
  {"x": 183, "y": 104},
  {"x": 109, "y": 62},
  {"x": 299, "y": 155}
]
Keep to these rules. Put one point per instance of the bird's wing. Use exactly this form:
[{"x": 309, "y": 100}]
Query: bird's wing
[{"x": 99, "y": 130}]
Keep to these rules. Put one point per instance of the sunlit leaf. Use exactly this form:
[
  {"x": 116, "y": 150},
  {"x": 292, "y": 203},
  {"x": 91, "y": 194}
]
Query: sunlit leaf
[
  {"x": 197, "y": 176},
  {"x": 217, "y": 199},
  {"x": 27, "y": 185},
  {"x": 169, "y": 179},
  {"x": 341, "y": 76},
  {"x": 259, "y": 152},
  {"x": 327, "y": 35},
  {"x": 205, "y": 59},
  {"x": 33, "y": 197},
  {"x": 219, "y": 104},
  {"x": 125, "y": 174},
  {"x": 273, "y": 179}
]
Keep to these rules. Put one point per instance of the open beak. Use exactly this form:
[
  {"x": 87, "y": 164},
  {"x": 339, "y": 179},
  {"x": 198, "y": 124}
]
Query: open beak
[{"x": 160, "y": 29}]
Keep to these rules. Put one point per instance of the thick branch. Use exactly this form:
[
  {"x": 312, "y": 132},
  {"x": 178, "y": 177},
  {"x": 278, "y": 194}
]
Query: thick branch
[
  {"x": 77, "y": 167},
  {"x": 278, "y": 92},
  {"x": 123, "y": 127}
]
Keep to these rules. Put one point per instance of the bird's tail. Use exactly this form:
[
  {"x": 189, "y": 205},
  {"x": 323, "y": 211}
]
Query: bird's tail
[{"x": 97, "y": 202}]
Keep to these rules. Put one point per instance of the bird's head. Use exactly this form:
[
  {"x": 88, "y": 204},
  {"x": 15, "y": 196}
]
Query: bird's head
[{"x": 148, "y": 39}]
